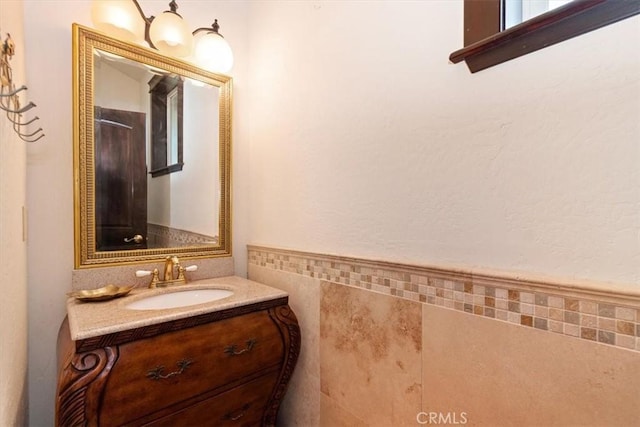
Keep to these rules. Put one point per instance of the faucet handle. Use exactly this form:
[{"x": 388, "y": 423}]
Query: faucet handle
[
  {"x": 182, "y": 269},
  {"x": 154, "y": 279}
]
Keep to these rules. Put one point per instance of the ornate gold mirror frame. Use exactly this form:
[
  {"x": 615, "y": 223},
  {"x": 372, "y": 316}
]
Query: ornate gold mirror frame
[{"x": 85, "y": 42}]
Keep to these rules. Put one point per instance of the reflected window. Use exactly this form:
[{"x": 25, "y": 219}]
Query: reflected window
[
  {"x": 172, "y": 127},
  {"x": 166, "y": 124}
]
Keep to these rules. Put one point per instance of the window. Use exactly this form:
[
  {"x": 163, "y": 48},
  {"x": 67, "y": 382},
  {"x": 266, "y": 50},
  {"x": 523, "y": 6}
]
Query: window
[
  {"x": 516, "y": 11},
  {"x": 486, "y": 45}
]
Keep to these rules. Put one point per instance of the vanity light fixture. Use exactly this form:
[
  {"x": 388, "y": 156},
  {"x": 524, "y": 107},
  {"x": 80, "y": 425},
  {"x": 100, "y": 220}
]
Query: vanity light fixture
[
  {"x": 211, "y": 50},
  {"x": 168, "y": 33}
]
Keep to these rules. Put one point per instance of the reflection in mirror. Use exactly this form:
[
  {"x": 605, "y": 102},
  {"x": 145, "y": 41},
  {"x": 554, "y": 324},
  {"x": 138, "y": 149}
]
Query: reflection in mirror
[
  {"x": 156, "y": 149},
  {"x": 167, "y": 101},
  {"x": 138, "y": 123}
]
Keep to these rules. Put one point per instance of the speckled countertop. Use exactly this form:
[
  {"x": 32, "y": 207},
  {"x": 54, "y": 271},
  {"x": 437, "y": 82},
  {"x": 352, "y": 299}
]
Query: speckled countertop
[{"x": 91, "y": 319}]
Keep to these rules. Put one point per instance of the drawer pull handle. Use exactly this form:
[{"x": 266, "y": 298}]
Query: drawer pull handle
[
  {"x": 237, "y": 414},
  {"x": 156, "y": 374},
  {"x": 232, "y": 349}
]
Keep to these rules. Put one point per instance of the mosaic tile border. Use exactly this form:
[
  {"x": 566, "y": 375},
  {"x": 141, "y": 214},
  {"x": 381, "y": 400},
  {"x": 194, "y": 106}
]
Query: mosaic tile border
[{"x": 603, "y": 316}]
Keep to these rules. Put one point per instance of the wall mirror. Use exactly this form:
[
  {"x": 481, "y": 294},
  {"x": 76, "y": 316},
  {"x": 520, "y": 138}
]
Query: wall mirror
[{"x": 152, "y": 146}]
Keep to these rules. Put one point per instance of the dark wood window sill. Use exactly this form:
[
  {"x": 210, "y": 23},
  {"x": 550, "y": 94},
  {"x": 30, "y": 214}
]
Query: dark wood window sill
[
  {"x": 571, "y": 20},
  {"x": 167, "y": 170}
]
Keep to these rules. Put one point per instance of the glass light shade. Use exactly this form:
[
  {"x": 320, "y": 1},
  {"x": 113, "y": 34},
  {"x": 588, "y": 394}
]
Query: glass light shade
[
  {"x": 212, "y": 52},
  {"x": 170, "y": 35},
  {"x": 119, "y": 19}
]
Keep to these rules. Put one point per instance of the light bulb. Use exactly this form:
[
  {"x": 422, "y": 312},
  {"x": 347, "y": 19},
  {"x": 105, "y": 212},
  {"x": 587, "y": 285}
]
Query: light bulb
[
  {"x": 170, "y": 34},
  {"x": 119, "y": 19},
  {"x": 212, "y": 52}
]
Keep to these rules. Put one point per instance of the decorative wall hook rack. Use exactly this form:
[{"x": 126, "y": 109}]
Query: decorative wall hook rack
[{"x": 9, "y": 95}]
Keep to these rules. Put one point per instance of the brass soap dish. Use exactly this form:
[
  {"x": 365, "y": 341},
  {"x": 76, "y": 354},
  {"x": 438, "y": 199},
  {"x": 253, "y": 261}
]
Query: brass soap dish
[{"x": 101, "y": 294}]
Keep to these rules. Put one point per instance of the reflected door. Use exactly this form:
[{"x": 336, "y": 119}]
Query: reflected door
[{"x": 121, "y": 180}]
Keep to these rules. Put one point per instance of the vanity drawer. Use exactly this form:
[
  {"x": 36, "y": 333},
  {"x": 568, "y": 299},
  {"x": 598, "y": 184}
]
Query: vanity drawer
[
  {"x": 242, "y": 406},
  {"x": 177, "y": 366}
]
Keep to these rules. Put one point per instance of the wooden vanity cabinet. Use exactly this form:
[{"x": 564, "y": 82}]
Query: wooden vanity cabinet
[{"x": 226, "y": 368}]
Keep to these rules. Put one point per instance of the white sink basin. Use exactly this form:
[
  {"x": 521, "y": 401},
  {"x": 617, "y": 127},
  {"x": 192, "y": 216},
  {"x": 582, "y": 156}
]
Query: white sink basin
[{"x": 179, "y": 299}]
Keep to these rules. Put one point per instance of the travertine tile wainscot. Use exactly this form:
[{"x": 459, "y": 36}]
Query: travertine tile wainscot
[{"x": 394, "y": 344}]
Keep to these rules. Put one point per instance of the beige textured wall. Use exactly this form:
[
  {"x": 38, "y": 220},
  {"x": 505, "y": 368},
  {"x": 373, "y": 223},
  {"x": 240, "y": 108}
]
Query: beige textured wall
[
  {"x": 366, "y": 142},
  {"x": 369, "y": 359},
  {"x": 13, "y": 255}
]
